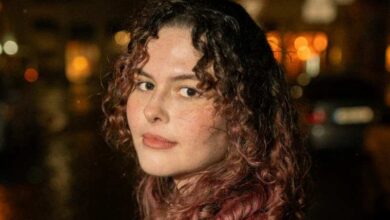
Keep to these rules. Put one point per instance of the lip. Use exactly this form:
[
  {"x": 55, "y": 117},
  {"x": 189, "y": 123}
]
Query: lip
[{"x": 157, "y": 142}]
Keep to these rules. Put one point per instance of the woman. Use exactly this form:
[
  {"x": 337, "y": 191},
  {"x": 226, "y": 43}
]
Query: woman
[{"x": 202, "y": 101}]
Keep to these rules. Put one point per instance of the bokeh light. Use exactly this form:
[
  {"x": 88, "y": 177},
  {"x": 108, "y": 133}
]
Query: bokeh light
[
  {"x": 303, "y": 79},
  {"x": 319, "y": 11},
  {"x": 300, "y": 42},
  {"x": 304, "y": 53},
  {"x": 81, "y": 59},
  {"x": 10, "y": 47},
  {"x": 31, "y": 75},
  {"x": 335, "y": 56},
  {"x": 313, "y": 65},
  {"x": 122, "y": 38},
  {"x": 78, "y": 69},
  {"x": 320, "y": 42},
  {"x": 80, "y": 63},
  {"x": 296, "y": 92}
]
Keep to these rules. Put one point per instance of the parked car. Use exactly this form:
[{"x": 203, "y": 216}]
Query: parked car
[{"x": 339, "y": 110}]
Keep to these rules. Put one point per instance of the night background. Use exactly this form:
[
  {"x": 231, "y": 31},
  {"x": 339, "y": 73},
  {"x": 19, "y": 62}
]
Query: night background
[{"x": 55, "y": 56}]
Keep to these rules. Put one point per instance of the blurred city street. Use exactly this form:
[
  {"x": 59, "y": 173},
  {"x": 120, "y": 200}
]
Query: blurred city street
[
  {"x": 67, "y": 174},
  {"x": 54, "y": 62}
]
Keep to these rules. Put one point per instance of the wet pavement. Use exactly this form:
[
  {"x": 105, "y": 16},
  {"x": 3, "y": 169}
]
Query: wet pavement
[{"x": 56, "y": 166}]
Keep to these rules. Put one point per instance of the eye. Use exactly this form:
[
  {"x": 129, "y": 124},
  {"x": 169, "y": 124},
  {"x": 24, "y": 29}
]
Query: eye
[
  {"x": 189, "y": 92},
  {"x": 145, "y": 86}
]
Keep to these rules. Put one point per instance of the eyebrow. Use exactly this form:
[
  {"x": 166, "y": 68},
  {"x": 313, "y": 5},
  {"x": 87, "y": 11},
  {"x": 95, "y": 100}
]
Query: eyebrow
[{"x": 185, "y": 76}]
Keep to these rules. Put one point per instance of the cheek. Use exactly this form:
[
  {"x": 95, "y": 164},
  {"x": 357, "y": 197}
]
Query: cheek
[
  {"x": 133, "y": 111},
  {"x": 206, "y": 140},
  {"x": 197, "y": 118},
  {"x": 201, "y": 126}
]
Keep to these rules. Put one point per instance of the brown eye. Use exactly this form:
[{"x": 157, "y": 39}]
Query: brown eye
[
  {"x": 145, "y": 86},
  {"x": 189, "y": 92}
]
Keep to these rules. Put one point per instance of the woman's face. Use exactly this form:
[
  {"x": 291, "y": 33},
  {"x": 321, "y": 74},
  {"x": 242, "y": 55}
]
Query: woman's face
[{"x": 174, "y": 126}]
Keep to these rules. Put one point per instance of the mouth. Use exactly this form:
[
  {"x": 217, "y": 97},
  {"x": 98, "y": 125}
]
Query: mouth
[{"x": 157, "y": 142}]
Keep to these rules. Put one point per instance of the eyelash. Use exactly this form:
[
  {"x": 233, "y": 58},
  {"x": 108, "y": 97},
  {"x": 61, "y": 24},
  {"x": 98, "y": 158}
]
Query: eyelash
[
  {"x": 143, "y": 86},
  {"x": 140, "y": 83},
  {"x": 197, "y": 93}
]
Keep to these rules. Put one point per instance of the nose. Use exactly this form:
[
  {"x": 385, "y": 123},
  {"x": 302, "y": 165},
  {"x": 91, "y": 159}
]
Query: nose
[{"x": 155, "y": 111}]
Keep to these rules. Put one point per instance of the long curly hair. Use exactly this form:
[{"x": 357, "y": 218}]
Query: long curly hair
[{"x": 263, "y": 175}]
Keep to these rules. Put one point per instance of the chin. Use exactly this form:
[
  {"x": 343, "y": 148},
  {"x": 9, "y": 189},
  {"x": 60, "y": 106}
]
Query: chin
[{"x": 158, "y": 171}]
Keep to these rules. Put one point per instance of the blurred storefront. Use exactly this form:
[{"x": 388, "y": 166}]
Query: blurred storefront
[{"x": 309, "y": 37}]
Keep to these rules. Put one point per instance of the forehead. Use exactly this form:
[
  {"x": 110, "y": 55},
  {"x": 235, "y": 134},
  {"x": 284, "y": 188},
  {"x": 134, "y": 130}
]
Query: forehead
[
  {"x": 173, "y": 47},
  {"x": 172, "y": 36}
]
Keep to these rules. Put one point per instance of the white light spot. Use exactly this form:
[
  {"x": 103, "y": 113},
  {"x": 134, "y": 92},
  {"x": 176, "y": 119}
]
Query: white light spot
[
  {"x": 10, "y": 47},
  {"x": 319, "y": 11},
  {"x": 313, "y": 66}
]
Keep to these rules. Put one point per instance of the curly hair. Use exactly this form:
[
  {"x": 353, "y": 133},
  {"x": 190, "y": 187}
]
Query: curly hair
[{"x": 263, "y": 175}]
